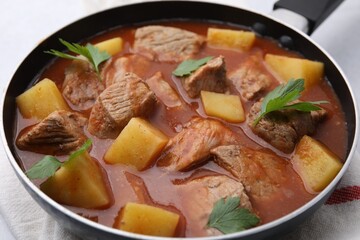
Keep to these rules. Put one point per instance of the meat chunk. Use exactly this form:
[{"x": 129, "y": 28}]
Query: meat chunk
[
  {"x": 192, "y": 145},
  {"x": 60, "y": 133},
  {"x": 261, "y": 172},
  {"x": 251, "y": 79},
  {"x": 126, "y": 98},
  {"x": 163, "y": 90},
  {"x": 166, "y": 44},
  {"x": 115, "y": 68},
  {"x": 283, "y": 129},
  {"x": 200, "y": 194},
  {"x": 81, "y": 86},
  {"x": 210, "y": 77}
]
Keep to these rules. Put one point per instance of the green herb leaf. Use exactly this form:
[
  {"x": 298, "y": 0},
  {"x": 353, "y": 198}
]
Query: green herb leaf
[
  {"x": 91, "y": 53},
  {"x": 188, "y": 66},
  {"x": 81, "y": 150},
  {"x": 47, "y": 166},
  {"x": 281, "y": 96},
  {"x": 97, "y": 57},
  {"x": 227, "y": 217},
  {"x": 305, "y": 106}
]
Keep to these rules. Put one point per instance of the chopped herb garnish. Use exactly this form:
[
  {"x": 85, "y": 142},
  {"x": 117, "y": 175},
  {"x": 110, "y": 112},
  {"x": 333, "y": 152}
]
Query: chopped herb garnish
[
  {"x": 188, "y": 66},
  {"x": 228, "y": 217},
  {"x": 47, "y": 166},
  {"x": 281, "y": 96},
  {"x": 90, "y": 52},
  {"x": 81, "y": 150}
]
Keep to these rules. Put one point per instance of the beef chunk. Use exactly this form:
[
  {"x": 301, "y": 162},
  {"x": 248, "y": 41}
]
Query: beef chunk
[
  {"x": 81, "y": 86},
  {"x": 116, "y": 67},
  {"x": 192, "y": 145},
  {"x": 251, "y": 79},
  {"x": 283, "y": 129},
  {"x": 126, "y": 98},
  {"x": 261, "y": 172},
  {"x": 200, "y": 195},
  {"x": 210, "y": 77},
  {"x": 163, "y": 90},
  {"x": 166, "y": 44},
  {"x": 58, "y": 134}
]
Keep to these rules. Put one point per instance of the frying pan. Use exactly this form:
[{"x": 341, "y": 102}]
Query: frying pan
[{"x": 266, "y": 26}]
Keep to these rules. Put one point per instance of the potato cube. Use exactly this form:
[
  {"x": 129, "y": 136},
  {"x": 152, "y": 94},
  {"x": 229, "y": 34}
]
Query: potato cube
[
  {"x": 41, "y": 100},
  {"x": 237, "y": 39},
  {"x": 227, "y": 107},
  {"x": 138, "y": 144},
  {"x": 287, "y": 68},
  {"x": 111, "y": 46},
  {"x": 147, "y": 220},
  {"x": 315, "y": 163},
  {"x": 79, "y": 182}
]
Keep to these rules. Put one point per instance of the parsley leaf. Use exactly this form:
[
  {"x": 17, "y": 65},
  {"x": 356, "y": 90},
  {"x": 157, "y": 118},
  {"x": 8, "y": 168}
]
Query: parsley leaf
[
  {"x": 188, "y": 66},
  {"x": 279, "y": 98},
  {"x": 227, "y": 217},
  {"x": 91, "y": 53},
  {"x": 97, "y": 57},
  {"x": 47, "y": 166},
  {"x": 81, "y": 150}
]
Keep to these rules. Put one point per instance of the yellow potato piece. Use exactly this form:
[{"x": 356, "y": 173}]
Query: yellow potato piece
[
  {"x": 315, "y": 163},
  {"x": 111, "y": 46},
  {"x": 287, "y": 68},
  {"x": 237, "y": 39},
  {"x": 79, "y": 183},
  {"x": 147, "y": 220},
  {"x": 41, "y": 100},
  {"x": 138, "y": 144},
  {"x": 227, "y": 107}
]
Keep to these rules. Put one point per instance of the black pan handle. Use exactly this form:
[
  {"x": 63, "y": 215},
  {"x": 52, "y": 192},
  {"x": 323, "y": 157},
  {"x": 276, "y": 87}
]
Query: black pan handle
[{"x": 315, "y": 11}]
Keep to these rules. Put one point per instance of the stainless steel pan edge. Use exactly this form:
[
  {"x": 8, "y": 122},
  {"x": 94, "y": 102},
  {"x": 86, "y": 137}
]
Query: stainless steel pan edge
[{"x": 90, "y": 230}]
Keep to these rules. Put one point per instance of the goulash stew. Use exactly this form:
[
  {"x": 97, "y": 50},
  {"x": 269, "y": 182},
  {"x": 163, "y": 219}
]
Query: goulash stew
[{"x": 180, "y": 129}]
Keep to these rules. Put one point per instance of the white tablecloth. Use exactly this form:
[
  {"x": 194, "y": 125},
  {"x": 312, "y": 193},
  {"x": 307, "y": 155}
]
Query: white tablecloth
[{"x": 24, "y": 23}]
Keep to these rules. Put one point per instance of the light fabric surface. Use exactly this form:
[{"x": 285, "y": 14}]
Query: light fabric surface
[{"x": 24, "y": 23}]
